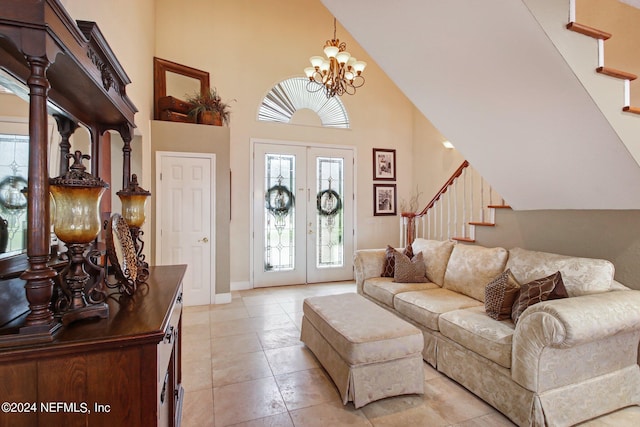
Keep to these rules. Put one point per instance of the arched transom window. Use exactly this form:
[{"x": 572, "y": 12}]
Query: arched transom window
[{"x": 291, "y": 95}]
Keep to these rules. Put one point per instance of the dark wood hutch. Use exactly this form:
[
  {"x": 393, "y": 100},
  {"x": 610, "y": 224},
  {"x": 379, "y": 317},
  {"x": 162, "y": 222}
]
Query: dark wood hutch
[{"x": 122, "y": 370}]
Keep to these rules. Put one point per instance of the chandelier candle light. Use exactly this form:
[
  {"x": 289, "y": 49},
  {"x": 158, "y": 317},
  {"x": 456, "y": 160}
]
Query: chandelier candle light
[{"x": 338, "y": 73}]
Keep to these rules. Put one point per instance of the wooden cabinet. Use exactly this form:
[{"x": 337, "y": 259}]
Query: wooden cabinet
[{"x": 119, "y": 371}]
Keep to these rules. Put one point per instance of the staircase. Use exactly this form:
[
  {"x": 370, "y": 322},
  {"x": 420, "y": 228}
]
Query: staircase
[
  {"x": 464, "y": 202},
  {"x": 601, "y": 36},
  {"x": 515, "y": 90}
]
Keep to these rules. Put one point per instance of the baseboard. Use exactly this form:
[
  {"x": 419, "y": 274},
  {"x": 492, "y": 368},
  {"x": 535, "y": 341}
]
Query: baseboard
[
  {"x": 222, "y": 298},
  {"x": 240, "y": 286}
]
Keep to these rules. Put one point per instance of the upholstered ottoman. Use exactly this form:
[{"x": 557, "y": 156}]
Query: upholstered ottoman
[{"x": 368, "y": 352}]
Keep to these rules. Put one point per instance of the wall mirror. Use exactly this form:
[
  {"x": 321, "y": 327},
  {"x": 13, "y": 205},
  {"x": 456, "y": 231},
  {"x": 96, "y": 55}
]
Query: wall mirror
[
  {"x": 14, "y": 161},
  {"x": 14, "y": 167},
  {"x": 176, "y": 80}
]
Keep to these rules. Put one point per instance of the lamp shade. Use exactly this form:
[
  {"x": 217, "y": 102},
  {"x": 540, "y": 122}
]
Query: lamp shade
[
  {"x": 77, "y": 212},
  {"x": 359, "y": 66},
  {"x": 77, "y": 196},
  {"x": 331, "y": 51},
  {"x": 133, "y": 198},
  {"x": 316, "y": 61},
  {"x": 343, "y": 57}
]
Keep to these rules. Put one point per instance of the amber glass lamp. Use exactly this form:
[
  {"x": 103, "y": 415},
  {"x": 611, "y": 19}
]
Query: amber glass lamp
[
  {"x": 134, "y": 199},
  {"x": 77, "y": 196}
]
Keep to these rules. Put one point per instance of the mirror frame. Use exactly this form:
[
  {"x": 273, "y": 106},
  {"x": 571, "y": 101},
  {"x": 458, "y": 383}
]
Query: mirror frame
[{"x": 160, "y": 69}]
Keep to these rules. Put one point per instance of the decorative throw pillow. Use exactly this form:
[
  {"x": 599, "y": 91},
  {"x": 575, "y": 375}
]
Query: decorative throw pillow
[
  {"x": 410, "y": 270},
  {"x": 389, "y": 260},
  {"x": 500, "y": 294},
  {"x": 550, "y": 287}
]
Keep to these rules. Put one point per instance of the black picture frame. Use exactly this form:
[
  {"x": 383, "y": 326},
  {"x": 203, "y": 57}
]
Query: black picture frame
[
  {"x": 384, "y": 164},
  {"x": 384, "y": 199}
]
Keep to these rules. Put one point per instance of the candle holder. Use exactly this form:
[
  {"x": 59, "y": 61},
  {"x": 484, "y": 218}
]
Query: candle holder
[
  {"x": 134, "y": 198},
  {"x": 77, "y": 196}
]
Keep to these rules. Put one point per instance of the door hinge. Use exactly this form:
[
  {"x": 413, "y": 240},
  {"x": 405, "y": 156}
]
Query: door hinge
[{"x": 160, "y": 176}]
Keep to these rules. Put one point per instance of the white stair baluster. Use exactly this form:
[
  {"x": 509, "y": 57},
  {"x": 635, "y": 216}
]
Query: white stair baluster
[
  {"x": 627, "y": 94},
  {"x": 572, "y": 10},
  {"x": 600, "y": 53}
]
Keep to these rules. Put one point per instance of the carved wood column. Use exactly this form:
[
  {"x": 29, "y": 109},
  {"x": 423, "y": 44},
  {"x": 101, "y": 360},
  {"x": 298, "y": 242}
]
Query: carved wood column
[
  {"x": 96, "y": 143},
  {"x": 127, "y": 135},
  {"x": 66, "y": 128},
  {"x": 39, "y": 286}
]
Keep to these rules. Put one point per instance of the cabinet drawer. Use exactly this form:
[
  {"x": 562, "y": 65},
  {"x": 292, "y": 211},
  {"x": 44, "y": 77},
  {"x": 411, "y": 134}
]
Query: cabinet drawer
[{"x": 170, "y": 338}]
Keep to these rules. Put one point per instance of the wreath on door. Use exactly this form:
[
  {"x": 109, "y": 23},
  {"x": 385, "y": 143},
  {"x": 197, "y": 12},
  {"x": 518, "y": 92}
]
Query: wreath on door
[
  {"x": 11, "y": 196},
  {"x": 279, "y": 200},
  {"x": 328, "y": 202}
]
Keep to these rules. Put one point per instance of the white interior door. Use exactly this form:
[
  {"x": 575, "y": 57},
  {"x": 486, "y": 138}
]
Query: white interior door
[
  {"x": 303, "y": 214},
  {"x": 186, "y": 220}
]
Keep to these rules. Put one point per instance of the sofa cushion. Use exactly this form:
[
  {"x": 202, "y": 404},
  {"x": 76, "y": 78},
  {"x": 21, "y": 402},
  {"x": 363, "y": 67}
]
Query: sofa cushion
[
  {"x": 424, "y": 307},
  {"x": 545, "y": 288},
  {"x": 500, "y": 294},
  {"x": 383, "y": 289},
  {"x": 436, "y": 255},
  {"x": 388, "y": 269},
  {"x": 581, "y": 276},
  {"x": 471, "y": 267},
  {"x": 473, "y": 329},
  {"x": 410, "y": 270}
]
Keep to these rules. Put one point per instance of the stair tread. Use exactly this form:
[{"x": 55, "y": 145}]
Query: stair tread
[
  {"x": 630, "y": 109},
  {"x": 499, "y": 206},
  {"x": 486, "y": 224},
  {"x": 588, "y": 31},
  {"x": 612, "y": 72},
  {"x": 464, "y": 239}
]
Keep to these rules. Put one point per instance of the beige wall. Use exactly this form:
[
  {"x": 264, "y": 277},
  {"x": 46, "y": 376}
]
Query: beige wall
[
  {"x": 182, "y": 137},
  {"x": 128, "y": 26},
  {"x": 432, "y": 163},
  {"x": 612, "y": 235},
  {"x": 247, "y": 47},
  {"x": 621, "y": 50}
]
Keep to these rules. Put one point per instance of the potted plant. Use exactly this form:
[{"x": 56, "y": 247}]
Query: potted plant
[{"x": 208, "y": 108}]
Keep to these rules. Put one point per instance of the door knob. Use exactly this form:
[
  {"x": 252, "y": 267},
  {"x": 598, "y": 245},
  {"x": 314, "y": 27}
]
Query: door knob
[{"x": 204, "y": 239}]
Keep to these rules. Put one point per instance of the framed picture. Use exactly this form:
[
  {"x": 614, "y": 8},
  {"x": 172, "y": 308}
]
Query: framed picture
[
  {"x": 384, "y": 164},
  {"x": 384, "y": 199}
]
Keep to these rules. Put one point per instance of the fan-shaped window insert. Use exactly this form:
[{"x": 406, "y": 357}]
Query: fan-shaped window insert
[{"x": 291, "y": 95}]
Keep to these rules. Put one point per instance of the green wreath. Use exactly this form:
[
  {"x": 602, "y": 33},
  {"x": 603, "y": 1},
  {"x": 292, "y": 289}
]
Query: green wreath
[
  {"x": 330, "y": 194},
  {"x": 283, "y": 195},
  {"x": 18, "y": 183}
]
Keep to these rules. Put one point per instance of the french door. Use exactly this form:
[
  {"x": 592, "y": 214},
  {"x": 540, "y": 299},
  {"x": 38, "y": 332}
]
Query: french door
[{"x": 302, "y": 214}]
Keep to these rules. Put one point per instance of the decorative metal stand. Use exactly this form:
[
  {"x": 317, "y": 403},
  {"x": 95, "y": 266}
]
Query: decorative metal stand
[{"x": 73, "y": 303}]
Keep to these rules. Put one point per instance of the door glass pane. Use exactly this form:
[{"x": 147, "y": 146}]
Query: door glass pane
[
  {"x": 330, "y": 215},
  {"x": 279, "y": 212}
]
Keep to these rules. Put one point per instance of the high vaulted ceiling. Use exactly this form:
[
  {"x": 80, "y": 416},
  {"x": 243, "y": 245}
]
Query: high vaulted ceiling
[{"x": 489, "y": 78}]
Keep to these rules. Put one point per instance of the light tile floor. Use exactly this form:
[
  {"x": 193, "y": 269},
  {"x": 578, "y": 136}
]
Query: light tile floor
[{"x": 243, "y": 365}]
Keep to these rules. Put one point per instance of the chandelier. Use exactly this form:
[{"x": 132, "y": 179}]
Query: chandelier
[{"x": 338, "y": 73}]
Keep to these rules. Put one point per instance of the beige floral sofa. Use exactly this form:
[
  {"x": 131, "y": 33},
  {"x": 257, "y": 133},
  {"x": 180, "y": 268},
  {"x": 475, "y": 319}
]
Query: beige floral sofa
[{"x": 564, "y": 361}]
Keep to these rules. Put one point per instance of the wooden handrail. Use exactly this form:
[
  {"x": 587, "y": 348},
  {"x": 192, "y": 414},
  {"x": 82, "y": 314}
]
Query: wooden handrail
[{"x": 444, "y": 188}]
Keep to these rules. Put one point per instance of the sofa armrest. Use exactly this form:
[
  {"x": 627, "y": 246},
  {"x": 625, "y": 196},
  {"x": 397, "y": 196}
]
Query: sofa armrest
[
  {"x": 367, "y": 263},
  {"x": 568, "y": 323}
]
